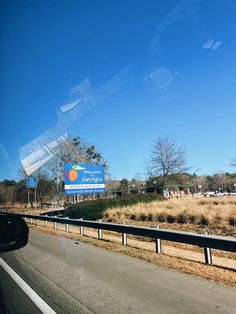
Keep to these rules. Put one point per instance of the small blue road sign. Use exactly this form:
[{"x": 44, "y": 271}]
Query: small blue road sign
[
  {"x": 84, "y": 179},
  {"x": 31, "y": 182}
]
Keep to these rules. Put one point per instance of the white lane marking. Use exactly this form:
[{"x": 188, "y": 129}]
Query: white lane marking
[{"x": 39, "y": 302}]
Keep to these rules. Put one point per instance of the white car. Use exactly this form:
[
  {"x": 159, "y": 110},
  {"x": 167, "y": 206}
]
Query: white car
[
  {"x": 210, "y": 193},
  {"x": 232, "y": 193},
  {"x": 216, "y": 193},
  {"x": 221, "y": 193}
]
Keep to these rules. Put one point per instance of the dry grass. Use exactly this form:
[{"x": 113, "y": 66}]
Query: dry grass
[
  {"x": 33, "y": 211},
  {"x": 211, "y": 212}
]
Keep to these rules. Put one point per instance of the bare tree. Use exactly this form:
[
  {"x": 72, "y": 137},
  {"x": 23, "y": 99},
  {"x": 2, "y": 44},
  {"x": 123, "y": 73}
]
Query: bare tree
[{"x": 167, "y": 158}]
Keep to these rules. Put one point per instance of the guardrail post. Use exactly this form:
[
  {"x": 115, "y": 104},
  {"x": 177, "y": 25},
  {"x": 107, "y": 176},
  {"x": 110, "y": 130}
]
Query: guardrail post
[
  {"x": 55, "y": 225},
  {"x": 207, "y": 253},
  {"x": 124, "y": 237},
  {"x": 38, "y": 222},
  {"x": 66, "y": 226},
  {"x": 31, "y": 221},
  {"x": 100, "y": 237},
  {"x": 158, "y": 243},
  {"x": 81, "y": 229},
  {"x": 45, "y": 222}
]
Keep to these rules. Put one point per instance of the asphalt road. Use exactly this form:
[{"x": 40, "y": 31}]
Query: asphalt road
[{"x": 79, "y": 278}]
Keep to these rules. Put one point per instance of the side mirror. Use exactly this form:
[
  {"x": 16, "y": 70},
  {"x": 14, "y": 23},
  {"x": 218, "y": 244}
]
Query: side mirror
[{"x": 13, "y": 233}]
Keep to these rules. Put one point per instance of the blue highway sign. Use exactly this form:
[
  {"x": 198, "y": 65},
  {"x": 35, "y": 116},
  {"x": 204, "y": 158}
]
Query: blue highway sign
[
  {"x": 31, "y": 182},
  {"x": 84, "y": 178}
]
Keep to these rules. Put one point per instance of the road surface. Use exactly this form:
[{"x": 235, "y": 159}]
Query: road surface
[{"x": 74, "y": 277}]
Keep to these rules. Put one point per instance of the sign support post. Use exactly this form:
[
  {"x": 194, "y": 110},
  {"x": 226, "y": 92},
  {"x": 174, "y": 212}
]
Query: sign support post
[
  {"x": 35, "y": 194},
  {"x": 28, "y": 198},
  {"x": 31, "y": 183}
]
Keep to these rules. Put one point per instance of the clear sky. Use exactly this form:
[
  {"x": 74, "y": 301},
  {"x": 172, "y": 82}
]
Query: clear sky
[{"x": 181, "y": 82}]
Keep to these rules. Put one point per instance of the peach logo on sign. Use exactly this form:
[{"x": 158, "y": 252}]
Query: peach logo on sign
[{"x": 72, "y": 174}]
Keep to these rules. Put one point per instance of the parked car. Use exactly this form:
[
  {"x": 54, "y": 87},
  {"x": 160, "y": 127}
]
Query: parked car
[
  {"x": 221, "y": 193},
  {"x": 215, "y": 193},
  {"x": 210, "y": 193},
  {"x": 232, "y": 192}
]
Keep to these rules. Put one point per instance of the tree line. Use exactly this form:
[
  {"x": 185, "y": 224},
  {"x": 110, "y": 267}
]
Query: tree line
[
  {"x": 12, "y": 192},
  {"x": 166, "y": 169}
]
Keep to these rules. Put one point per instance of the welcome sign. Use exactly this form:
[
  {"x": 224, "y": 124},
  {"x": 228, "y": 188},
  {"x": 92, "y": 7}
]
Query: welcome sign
[{"x": 84, "y": 178}]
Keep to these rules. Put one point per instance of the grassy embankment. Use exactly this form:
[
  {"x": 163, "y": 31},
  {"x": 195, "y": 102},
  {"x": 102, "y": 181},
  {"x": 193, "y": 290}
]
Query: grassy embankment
[
  {"x": 211, "y": 213},
  {"x": 95, "y": 209}
]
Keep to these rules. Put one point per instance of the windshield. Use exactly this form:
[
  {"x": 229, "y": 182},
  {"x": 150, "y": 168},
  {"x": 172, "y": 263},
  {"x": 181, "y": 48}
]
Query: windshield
[
  {"x": 136, "y": 70},
  {"x": 130, "y": 107}
]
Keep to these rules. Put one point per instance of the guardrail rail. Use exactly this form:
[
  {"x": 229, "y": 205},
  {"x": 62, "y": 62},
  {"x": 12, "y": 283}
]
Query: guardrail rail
[{"x": 201, "y": 240}]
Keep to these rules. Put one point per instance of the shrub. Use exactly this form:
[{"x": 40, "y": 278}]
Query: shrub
[
  {"x": 133, "y": 216},
  {"x": 192, "y": 219},
  {"x": 92, "y": 210},
  {"x": 161, "y": 218},
  {"x": 203, "y": 220},
  {"x": 142, "y": 217},
  {"x": 170, "y": 219},
  {"x": 150, "y": 217},
  {"x": 181, "y": 219},
  {"x": 232, "y": 221}
]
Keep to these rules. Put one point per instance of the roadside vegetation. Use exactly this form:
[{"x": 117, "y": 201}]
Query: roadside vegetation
[
  {"x": 187, "y": 210},
  {"x": 95, "y": 209}
]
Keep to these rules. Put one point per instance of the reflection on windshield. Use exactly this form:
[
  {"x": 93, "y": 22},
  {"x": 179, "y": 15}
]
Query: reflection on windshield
[
  {"x": 167, "y": 67},
  {"x": 35, "y": 154}
]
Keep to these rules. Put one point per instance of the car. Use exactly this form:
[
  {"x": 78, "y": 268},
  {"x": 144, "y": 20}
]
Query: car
[
  {"x": 210, "y": 193},
  {"x": 221, "y": 193},
  {"x": 232, "y": 193}
]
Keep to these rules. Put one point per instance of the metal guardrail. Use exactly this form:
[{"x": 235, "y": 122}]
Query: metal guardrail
[
  {"x": 53, "y": 212},
  {"x": 201, "y": 240}
]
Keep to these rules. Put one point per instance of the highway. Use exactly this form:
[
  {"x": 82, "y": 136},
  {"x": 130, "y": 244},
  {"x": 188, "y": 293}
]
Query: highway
[{"x": 74, "y": 277}]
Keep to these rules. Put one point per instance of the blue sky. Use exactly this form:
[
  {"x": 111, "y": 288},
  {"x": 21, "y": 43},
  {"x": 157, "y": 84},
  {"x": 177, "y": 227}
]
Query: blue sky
[{"x": 180, "y": 58}]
